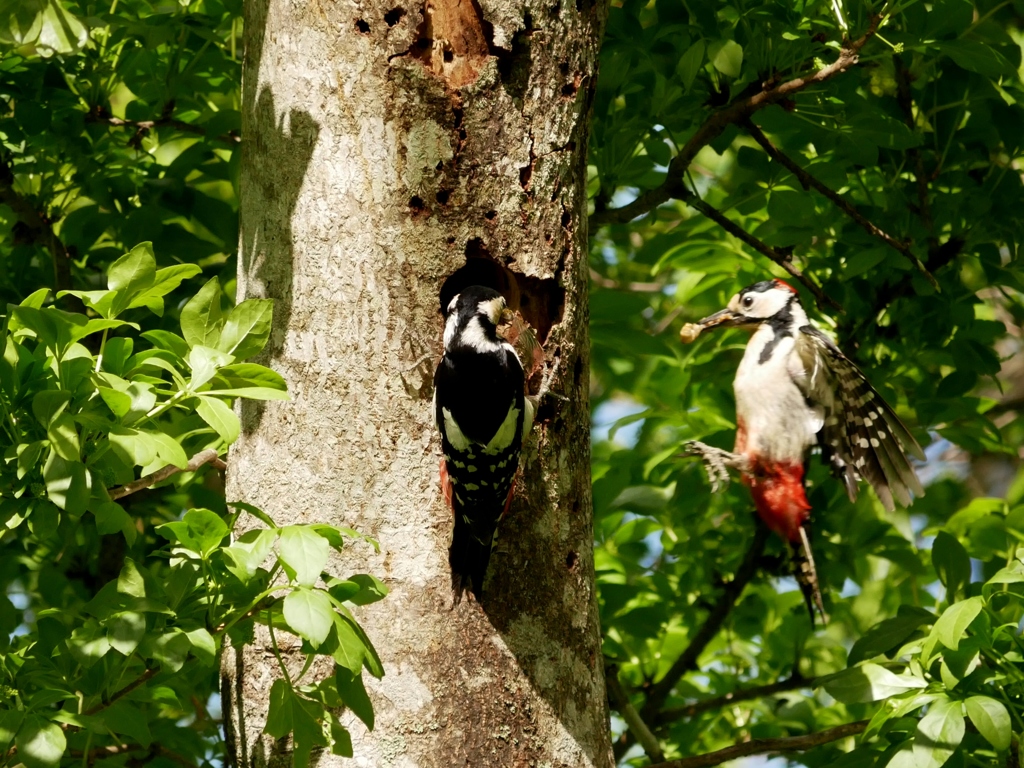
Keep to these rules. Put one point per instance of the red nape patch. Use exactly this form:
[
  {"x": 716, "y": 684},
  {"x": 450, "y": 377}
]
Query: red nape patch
[
  {"x": 778, "y": 491},
  {"x": 784, "y": 284},
  {"x": 446, "y": 483}
]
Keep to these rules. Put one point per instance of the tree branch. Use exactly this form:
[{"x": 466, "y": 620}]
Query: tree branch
[
  {"x": 715, "y": 124},
  {"x": 606, "y": 282},
  {"x": 143, "y": 127},
  {"x": 906, "y": 101},
  {"x": 765, "y": 746},
  {"x": 784, "y": 260},
  {"x": 687, "y": 661},
  {"x": 209, "y": 456},
  {"x": 745, "y": 694},
  {"x": 140, "y": 680},
  {"x": 36, "y": 227},
  {"x": 633, "y": 720},
  {"x": 810, "y": 182}
]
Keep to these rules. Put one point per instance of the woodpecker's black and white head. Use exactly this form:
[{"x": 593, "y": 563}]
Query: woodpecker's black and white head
[
  {"x": 771, "y": 302},
  {"x": 472, "y": 318}
]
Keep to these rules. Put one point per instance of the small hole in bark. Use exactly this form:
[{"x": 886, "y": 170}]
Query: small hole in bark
[
  {"x": 443, "y": 195},
  {"x": 416, "y": 203},
  {"x": 362, "y": 26},
  {"x": 564, "y": 68},
  {"x": 555, "y": 10},
  {"x": 524, "y": 176},
  {"x": 450, "y": 240},
  {"x": 394, "y": 16},
  {"x": 566, "y": 218},
  {"x": 491, "y": 215},
  {"x": 571, "y": 560},
  {"x": 448, "y": 56},
  {"x": 439, "y": 166},
  {"x": 569, "y": 90}
]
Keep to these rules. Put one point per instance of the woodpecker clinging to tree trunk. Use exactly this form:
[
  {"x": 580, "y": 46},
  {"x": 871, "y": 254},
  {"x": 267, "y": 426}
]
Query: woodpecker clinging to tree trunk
[
  {"x": 483, "y": 414},
  {"x": 794, "y": 390}
]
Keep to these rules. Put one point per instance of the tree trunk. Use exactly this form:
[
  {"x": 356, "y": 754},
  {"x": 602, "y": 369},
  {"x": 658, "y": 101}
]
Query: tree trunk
[{"x": 393, "y": 155}]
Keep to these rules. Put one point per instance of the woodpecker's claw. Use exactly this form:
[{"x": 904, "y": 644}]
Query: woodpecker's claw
[{"x": 716, "y": 462}]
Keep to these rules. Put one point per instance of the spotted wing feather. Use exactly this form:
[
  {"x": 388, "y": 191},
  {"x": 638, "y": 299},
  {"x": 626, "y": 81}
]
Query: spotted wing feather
[{"x": 861, "y": 436}]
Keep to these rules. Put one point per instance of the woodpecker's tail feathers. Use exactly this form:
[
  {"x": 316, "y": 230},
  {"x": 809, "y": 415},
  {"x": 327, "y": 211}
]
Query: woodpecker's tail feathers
[
  {"x": 807, "y": 576},
  {"x": 468, "y": 558}
]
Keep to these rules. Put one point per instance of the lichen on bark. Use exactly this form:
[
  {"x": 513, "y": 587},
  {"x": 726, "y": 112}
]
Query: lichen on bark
[{"x": 393, "y": 152}]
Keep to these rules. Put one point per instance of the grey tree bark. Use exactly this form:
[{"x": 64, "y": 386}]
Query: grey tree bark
[{"x": 394, "y": 153}]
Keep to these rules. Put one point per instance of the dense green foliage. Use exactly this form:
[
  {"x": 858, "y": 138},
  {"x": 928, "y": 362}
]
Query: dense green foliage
[
  {"x": 923, "y": 138},
  {"x": 118, "y": 125},
  {"x": 102, "y": 663}
]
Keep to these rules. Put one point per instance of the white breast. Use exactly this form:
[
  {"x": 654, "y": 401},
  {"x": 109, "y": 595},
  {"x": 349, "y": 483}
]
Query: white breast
[{"x": 780, "y": 426}]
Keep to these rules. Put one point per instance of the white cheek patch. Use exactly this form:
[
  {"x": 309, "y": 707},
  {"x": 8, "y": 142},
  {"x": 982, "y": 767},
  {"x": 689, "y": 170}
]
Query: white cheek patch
[
  {"x": 454, "y": 434},
  {"x": 450, "y": 326},
  {"x": 506, "y": 433},
  {"x": 473, "y": 335}
]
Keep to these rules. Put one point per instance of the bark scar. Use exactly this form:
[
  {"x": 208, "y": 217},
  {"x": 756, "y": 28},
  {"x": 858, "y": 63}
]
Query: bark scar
[{"x": 454, "y": 40}]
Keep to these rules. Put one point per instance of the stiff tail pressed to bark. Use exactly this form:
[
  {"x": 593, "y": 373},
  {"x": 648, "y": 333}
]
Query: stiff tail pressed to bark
[
  {"x": 807, "y": 575},
  {"x": 468, "y": 558}
]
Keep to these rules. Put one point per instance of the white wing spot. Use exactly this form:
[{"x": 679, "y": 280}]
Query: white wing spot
[{"x": 874, "y": 442}]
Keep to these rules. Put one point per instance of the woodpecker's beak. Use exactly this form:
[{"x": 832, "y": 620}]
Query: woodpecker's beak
[
  {"x": 724, "y": 318},
  {"x": 507, "y": 316}
]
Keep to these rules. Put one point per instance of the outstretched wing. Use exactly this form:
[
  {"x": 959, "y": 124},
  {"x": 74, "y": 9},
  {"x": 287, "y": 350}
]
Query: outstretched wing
[{"x": 861, "y": 436}]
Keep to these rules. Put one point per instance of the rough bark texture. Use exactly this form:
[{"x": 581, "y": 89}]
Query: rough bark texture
[{"x": 394, "y": 153}]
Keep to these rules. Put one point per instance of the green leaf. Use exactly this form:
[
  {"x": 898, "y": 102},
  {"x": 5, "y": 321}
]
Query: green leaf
[
  {"x": 40, "y": 743},
  {"x": 951, "y": 563},
  {"x": 203, "y": 645},
  {"x": 204, "y": 363},
  {"x": 170, "y": 649},
  {"x": 690, "y": 63},
  {"x": 165, "y": 281},
  {"x": 952, "y": 624},
  {"x": 371, "y": 589},
  {"x": 111, "y": 518},
  {"x": 200, "y": 530},
  {"x": 889, "y": 634},
  {"x": 63, "y": 436},
  {"x": 279, "y": 712},
  {"x": 130, "y": 581},
  {"x": 125, "y": 631},
  {"x": 868, "y": 682},
  {"x": 168, "y": 451},
  {"x": 130, "y": 275},
  {"x": 128, "y": 720},
  {"x": 309, "y": 614},
  {"x": 351, "y": 650},
  {"x": 49, "y": 404},
  {"x": 353, "y": 693},
  {"x": 303, "y": 553},
  {"x": 10, "y": 722},
  {"x": 219, "y": 416},
  {"x": 727, "y": 57},
  {"x": 172, "y": 342},
  {"x": 68, "y": 484},
  {"x": 249, "y": 552},
  {"x": 977, "y": 57},
  {"x": 201, "y": 317},
  {"x": 251, "y": 393},
  {"x": 88, "y": 643},
  {"x": 991, "y": 719},
  {"x": 247, "y": 328}
]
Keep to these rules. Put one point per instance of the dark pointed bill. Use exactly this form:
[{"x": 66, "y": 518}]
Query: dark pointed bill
[{"x": 724, "y": 318}]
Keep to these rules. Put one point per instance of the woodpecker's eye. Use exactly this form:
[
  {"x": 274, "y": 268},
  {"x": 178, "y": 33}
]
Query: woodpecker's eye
[{"x": 748, "y": 302}]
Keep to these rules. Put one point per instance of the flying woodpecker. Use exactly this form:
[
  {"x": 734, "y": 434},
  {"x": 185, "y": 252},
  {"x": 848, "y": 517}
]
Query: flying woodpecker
[
  {"x": 795, "y": 390},
  {"x": 482, "y": 412}
]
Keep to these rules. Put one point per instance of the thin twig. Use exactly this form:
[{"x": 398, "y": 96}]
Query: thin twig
[
  {"x": 906, "y": 101},
  {"x": 810, "y": 182},
  {"x": 713, "y": 127},
  {"x": 140, "y": 680},
  {"x": 209, "y": 456},
  {"x": 744, "y": 694},
  {"x": 782, "y": 259},
  {"x": 606, "y": 282},
  {"x": 633, "y": 720},
  {"x": 143, "y": 127},
  {"x": 767, "y": 746},
  {"x": 687, "y": 661}
]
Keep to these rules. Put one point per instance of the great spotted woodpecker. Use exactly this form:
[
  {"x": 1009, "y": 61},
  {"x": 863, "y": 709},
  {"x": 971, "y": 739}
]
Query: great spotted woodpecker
[
  {"x": 483, "y": 413},
  {"x": 794, "y": 390}
]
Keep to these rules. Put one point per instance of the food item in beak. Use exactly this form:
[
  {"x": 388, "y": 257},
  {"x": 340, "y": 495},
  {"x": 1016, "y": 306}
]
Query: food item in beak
[{"x": 690, "y": 332}]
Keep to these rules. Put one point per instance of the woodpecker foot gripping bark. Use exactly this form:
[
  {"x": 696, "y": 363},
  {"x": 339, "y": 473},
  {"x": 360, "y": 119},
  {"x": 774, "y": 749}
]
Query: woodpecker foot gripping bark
[{"x": 717, "y": 462}]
